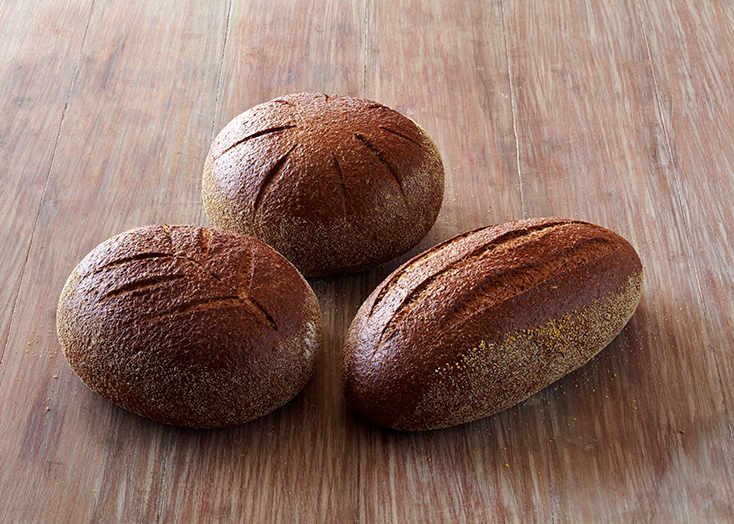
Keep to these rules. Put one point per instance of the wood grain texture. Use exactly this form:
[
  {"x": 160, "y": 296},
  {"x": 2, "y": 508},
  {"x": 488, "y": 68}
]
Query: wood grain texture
[
  {"x": 618, "y": 113},
  {"x": 602, "y": 155},
  {"x": 127, "y": 153},
  {"x": 691, "y": 77},
  {"x": 453, "y": 80},
  {"x": 38, "y": 43},
  {"x": 289, "y": 465}
]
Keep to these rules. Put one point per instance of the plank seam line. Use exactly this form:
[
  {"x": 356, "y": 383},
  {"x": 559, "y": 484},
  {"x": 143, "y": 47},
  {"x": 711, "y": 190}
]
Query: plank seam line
[
  {"x": 366, "y": 42},
  {"x": 512, "y": 106},
  {"x": 46, "y": 183},
  {"x": 220, "y": 80},
  {"x": 682, "y": 203},
  {"x": 522, "y": 200},
  {"x": 669, "y": 147}
]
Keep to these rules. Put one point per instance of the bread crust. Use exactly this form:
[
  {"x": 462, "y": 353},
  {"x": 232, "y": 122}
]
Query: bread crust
[
  {"x": 486, "y": 319},
  {"x": 189, "y": 326},
  {"x": 335, "y": 184}
]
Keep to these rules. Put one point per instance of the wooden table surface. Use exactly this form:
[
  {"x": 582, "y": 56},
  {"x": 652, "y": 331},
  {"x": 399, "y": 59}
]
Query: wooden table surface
[{"x": 619, "y": 113}]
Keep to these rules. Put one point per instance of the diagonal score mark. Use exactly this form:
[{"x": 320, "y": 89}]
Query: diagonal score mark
[
  {"x": 517, "y": 280},
  {"x": 402, "y": 135},
  {"x": 245, "y": 270},
  {"x": 138, "y": 285},
  {"x": 132, "y": 258},
  {"x": 257, "y": 310},
  {"x": 270, "y": 177},
  {"x": 218, "y": 303},
  {"x": 223, "y": 302},
  {"x": 204, "y": 241},
  {"x": 369, "y": 145},
  {"x": 167, "y": 231},
  {"x": 480, "y": 250},
  {"x": 502, "y": 242},
  {"x": 151, "y": 281},
  {"x": 240, "y": 299},
  {"x": 200, "y": 266},
  {"x": 200, "y": 305},
  {"x": 268, "y": 131},
  {"x": 342, "y": 183}
]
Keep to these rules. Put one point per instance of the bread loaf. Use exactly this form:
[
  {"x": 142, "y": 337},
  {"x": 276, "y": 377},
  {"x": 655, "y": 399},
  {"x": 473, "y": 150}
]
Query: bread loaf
[
  {"x": 486, "y": 319},
  {"x": 335, "y": 184},
  {"x": 189, "y": 326}
]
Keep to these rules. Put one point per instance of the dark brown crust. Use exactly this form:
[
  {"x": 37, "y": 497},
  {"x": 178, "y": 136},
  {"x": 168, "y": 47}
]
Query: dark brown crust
[
  {"x": 486, "y": 319},
  {"x": 190, "y": 326},
  {"x": 336, "y": 184}
]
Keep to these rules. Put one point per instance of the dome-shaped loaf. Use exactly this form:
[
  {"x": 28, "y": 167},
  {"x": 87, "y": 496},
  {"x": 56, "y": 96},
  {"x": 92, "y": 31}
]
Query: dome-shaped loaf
[
  {"x": 190, "y": 326},
  {"x": 487, "y": 319},
  {"x": 335, "y": 184}
]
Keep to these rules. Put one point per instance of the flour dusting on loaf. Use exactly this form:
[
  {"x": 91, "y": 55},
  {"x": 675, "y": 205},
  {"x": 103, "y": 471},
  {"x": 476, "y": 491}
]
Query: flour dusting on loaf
[
  {"x": 486, "y": 319},
  {"x": 336, "y": 184},
  {"x": 190, "y": 326}
]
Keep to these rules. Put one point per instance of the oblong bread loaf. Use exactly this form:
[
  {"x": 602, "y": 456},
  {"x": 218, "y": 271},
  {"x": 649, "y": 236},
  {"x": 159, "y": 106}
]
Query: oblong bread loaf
[{"x": 486, "y": 319}]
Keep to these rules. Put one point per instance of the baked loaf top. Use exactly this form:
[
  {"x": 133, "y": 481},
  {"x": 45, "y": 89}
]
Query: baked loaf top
[
  {"x": 486, "y": 319},
  {"x": 336, "y": 184},
  {"x": 189, "y": 326}
]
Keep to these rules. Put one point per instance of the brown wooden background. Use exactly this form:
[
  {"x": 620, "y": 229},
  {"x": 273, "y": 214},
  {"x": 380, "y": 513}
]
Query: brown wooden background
[{"x": 618, "y": 112}]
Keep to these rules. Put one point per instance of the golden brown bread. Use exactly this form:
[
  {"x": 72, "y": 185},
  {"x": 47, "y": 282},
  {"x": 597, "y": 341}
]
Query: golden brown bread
[
  {"x": 190, "y": 326},
  {"x": 335, "y": 184},
  {"x": 486, "y": 319}
]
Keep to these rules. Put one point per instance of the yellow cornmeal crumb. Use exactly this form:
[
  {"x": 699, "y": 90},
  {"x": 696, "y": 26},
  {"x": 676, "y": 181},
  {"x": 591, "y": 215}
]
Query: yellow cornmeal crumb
[{"x": 490, "y": 377}]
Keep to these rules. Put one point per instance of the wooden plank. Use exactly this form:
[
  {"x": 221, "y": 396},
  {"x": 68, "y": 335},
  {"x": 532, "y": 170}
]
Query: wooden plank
[
  {"x": 694, "y": 75},
  {"x": 452, "y": 78},
  {"x": 622, "y": 116},
  {"x": 300, "y": 462},
  {"x": 593, "y": 146},
  {"x": 130, "y": 151},
  {"x": 40, "y": 42},
  {"x": 282, "y": 47}
]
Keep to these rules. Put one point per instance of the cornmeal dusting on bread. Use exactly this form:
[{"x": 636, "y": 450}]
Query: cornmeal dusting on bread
[
  {"x": 488, "y": 378},
  {"x": 483, "y": 320},
  {"x": 503, "y": 273}
]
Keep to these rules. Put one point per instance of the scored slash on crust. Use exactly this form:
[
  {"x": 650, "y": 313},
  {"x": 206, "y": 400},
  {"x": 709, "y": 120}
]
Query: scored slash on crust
[
  {"x": 401, "y": 135},
  {"x": 204, "y": 240},
  {"x": 133, "y": 258},
  {"x": 497, "y": 287},
  {"x": 515, "y": 281},
  {"x": 216, "y": 303},
  {"x": 139, "y": 285},
  {"x": 270, "y": 177},
  {"x": 167, "y": 230},
  {"x": 466, "y": 257},
  {"x": 390, "y": 169},
  {"x": 245, "y": 270},
  {"x": 342, "y": 182},
  {"x": 241, "y": 298},
  {"x": 267, "y": 131}
]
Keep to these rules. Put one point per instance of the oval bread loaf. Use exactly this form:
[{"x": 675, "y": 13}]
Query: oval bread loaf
[
  {"x": 190, "y": 326},
  {"x": 335, "y": 184},
  {"x": 486, "y": 319}
]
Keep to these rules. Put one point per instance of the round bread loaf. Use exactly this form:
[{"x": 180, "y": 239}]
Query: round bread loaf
[
  {"x": 486, "y": 319},
  {"x": 335, "y": 184},
  {"x": 190, "y": 326}
]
